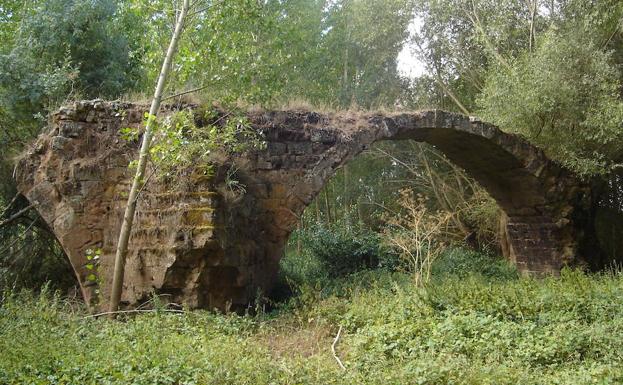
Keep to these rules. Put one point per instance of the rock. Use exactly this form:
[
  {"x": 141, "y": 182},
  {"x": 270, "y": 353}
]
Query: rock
[{"x": 59, "y": 143}]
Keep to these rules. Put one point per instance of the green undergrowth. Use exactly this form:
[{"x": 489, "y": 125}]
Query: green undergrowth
[{"x": 462, "y": 329}]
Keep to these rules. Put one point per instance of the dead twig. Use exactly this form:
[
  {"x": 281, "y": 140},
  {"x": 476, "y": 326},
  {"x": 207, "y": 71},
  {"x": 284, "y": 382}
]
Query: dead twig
[
  {"x": 184, "y": 93},
  {"x": 337, "y": 338},
  {"x": 134, "y": 311},
  {"x": 14, "y": 242},
  {"x": 8, "y": 207}
]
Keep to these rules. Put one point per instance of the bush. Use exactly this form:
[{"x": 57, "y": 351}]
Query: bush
[
  {"x": 336, "y": 251},
  {"x": 63, "y": 48},
  {"x": 343, "y": 252},
  {"x": 460, "y": 262}
]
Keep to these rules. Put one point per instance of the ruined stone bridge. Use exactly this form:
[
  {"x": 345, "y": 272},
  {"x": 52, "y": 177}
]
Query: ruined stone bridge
[{"x": 205, "y": 248}]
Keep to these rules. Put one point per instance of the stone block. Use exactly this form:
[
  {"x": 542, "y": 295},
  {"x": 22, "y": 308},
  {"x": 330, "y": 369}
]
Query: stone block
[
  {"x": 319, "y": 148},
  {"x": 90, "y": 116},
  {"x": 276, "y": 148},
  {"x": 259, "y": 190},
  {"x": 77, "y": 203},
  {"x": 322, "y": 136},
  {"x": 278, "y": 191},
  {"x": 70, "y": 129},
  {"x": 299, "y": 148},
  {"x": 264, "y": 165},
  {"x": 276, "y": 161},
  {"x": 86, "y": 172},
  {"x": 60, "y": 144}
]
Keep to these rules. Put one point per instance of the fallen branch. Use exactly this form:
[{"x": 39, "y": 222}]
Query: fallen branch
[
  {"x": 8, "y": 207},
  {"x": 15, "y": 216},
  {"x": 337, "y": 337},
  {"x": 134, "y": 311}
]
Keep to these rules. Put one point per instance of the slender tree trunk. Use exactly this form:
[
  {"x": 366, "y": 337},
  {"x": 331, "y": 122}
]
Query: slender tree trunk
[
  {"x": 137, "y": 182},
  {"x": 299, "y": 245},
  {"x": 533, "y": 9},
  {"x": 327, "y": 206},
  {"x": 346, "y": 200},
  {"x": 317, "y": 204},
  {"x": 449, "y": 92},
  {"x": 475, "y": 19}
]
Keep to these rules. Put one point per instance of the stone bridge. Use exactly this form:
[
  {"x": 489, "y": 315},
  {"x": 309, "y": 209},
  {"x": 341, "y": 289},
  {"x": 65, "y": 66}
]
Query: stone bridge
[{"x": 206, "y": 247}]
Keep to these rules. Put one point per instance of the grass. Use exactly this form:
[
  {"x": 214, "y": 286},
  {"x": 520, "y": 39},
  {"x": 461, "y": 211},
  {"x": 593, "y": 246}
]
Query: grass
[{"x": 462, "y": 329}]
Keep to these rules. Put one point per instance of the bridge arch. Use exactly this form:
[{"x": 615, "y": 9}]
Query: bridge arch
[
  {"x": 207, "y": 248},
  {"x": 542, "y": 201}
]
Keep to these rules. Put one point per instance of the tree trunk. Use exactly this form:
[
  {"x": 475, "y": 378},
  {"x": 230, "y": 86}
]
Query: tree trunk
[
  {"x": 326, "y": 203},
  {"x": 533, "y": 9},
  {"x": 137, "y": 182}
]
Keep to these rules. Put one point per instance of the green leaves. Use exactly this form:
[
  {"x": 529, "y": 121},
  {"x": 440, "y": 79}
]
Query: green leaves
[
  {"x": 563, "y": 97},
  {"x": 461, "y": 331},
  {"x": 129, "y": 134},
  {"x": 180, "y": 145},
  {"x": 93, "y": 262}
]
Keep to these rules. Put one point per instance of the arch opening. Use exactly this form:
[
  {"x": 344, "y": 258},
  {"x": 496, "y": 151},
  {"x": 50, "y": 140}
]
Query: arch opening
[
  {"x": 346, "y": 226},
  {"x": 31, "y": 255}
]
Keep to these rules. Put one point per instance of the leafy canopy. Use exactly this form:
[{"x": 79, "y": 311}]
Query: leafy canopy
[{"x": 563, "y": 97}]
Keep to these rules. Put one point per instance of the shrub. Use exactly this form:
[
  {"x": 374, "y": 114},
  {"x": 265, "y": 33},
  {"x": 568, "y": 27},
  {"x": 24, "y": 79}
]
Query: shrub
[
  {"x": 461, "y": 262},
  {"x": 417, "y": 234},
  {"x": 565, "y": 97},
  {"x": 335, "y": 251}
]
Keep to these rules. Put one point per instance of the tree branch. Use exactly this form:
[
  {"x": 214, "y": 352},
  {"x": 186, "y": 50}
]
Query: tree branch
[
  {"x": 134, "y": 311},
  {"x": 337, "y": 337},
  {"x": 11, "y": 203}
]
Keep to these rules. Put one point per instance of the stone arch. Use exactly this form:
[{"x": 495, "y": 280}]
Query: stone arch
[
  {"x": 208, "y": 248},
  {"x": 543, "y": 202}
]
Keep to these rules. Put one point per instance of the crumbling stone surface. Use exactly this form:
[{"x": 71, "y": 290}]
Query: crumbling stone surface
[{"x": 205, "y": 246}]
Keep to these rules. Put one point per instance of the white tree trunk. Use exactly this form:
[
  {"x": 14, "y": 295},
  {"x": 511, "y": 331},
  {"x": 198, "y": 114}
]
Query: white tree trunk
[{"x": 137, "y": 182}]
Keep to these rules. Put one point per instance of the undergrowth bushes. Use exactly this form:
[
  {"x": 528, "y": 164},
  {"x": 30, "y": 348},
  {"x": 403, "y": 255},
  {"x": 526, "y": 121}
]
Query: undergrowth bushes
[
  {"x": 462, "y": 262},
  {"x": 460, "y": 329},
  {"x": 335, "y": 251},
  {"x": 338, "y": 251},
  {"x": 475, "y": 322}
]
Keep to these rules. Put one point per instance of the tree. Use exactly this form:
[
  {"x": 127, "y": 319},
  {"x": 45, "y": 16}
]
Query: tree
[
  {"x": 50, "y": 51},
  {"x": 138, "y": 181},
  {"x": 64, "y": 48},
  {"x": 563, "y": 97}
]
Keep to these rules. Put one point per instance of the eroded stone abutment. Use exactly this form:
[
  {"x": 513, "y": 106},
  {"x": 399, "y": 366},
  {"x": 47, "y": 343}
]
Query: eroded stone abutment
[{"x": 208, "y": 246}]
